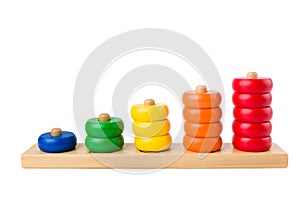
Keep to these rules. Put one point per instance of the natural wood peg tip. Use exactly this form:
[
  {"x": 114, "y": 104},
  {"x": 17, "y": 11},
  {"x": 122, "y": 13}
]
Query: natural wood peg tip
[
  {"x": 56, "y": 132},
  {"x": 149, "y": 102},
  {"x": 201, "y": 89},
  {"x": 104, "y": 117},
  {"x": 252, "y": 75}
]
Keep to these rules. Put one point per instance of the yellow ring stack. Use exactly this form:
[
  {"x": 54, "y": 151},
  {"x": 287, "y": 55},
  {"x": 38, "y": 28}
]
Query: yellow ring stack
[{"x": 151, "y": 126}]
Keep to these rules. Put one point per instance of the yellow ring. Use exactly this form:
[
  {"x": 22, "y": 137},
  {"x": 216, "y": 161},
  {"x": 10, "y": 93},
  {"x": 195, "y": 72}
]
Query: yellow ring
[
  {"x": 144, "y": 113},
  {"x": 159, "y": 143},
  {"x": 151, "y": 129}
]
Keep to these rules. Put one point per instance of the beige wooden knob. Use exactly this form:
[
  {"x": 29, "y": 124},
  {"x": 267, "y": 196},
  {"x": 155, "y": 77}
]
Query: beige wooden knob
[
  {"x": 56, "y": 132},
  {"x": 201, "y": 89},
  {"x": 252, "y": 75},
  {"x": 104, "y": 117},
  {"x": 149, "y": 102}
]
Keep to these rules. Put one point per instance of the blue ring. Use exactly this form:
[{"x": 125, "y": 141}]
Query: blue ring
[{"x": 57, "y": 144}]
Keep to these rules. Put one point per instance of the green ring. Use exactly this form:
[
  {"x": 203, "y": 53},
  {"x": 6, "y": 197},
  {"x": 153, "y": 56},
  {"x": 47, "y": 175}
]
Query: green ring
[
  {"x": 104, "y": 145},
  {"x": 112, "y": 128}
]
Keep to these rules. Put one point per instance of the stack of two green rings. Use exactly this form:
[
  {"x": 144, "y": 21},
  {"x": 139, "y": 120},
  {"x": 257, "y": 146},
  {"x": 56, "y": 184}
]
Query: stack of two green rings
[{"x": 104, "y": 134}]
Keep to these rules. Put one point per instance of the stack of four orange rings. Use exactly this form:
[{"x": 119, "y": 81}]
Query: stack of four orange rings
[{"x": 202, "y": 114}]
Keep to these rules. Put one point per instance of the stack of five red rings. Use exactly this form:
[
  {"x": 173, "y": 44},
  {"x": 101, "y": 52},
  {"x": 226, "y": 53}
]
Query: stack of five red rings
[{"x": 252, "y": 113}]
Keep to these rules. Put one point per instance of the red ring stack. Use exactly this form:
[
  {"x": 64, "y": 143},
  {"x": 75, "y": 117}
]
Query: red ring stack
[{"x": 252, "y": 113}]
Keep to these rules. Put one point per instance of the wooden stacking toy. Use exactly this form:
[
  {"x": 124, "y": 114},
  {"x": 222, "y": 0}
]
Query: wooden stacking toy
[
  {"x": 252, "y": 113},
  {"x": 57, "y": 141},
  {"x": 151, "y": 126},
  {"x": 104, "y": 134},
  {"x": 202, "y": 114},
  {"x": 103, "y": 147}
]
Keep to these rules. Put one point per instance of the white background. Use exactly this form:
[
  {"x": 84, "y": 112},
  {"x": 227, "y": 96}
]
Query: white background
[{"x": 42, "y": 48}]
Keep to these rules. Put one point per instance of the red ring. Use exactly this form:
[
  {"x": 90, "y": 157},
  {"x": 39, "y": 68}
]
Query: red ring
[
  {"x": 252, "y": 130},
  {"x": 254, "y": 115},
  {"x": 252, "y": 100},
  {"x": 252, "y": 144},
  {"x": 252, "y": 85}
]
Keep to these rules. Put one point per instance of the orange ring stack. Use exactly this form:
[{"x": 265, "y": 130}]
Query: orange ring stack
[{"x": 202, "y": 114}]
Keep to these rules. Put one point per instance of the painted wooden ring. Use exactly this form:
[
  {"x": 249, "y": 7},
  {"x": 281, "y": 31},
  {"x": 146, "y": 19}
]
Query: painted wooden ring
[
  {"x": 252, "y": 130},
  {"x": 203, "y": 145},
  {"x": 209, "y": 99},
  {"x": 105, "y": 129},
  {"x": 206, "y": 115},
  {"x": 153, "y": 144},
  {"x": 57, "y": 144},
  {"x": 252, "y": 85},
  {"x": 104, "y": 145},
  {"x": 203, "y": 130},
  {"x": 252, "y": 100},
  {"x": 252, "y": 144},
  {"x": 143, "y": 113},
  {"x": 253, "y": 115},
  {"x": 151, "y": 129}
]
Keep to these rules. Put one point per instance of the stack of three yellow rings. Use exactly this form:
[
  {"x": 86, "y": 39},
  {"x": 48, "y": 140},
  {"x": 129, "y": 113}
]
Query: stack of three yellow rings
[{"x": 151, "y": 126}]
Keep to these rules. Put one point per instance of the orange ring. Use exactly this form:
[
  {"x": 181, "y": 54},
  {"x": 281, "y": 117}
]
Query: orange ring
[
  {"x": 195, "y": 115},
  {"x": 203, "y": 130},
  {"x": 210, "y": 99},
  {"x": 203, "y": 145}
]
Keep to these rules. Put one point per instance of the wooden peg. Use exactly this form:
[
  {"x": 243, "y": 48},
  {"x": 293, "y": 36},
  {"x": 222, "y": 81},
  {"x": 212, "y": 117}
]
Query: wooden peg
[
  {"x": 56, "y": 132},
  {"x": 252, "y": 75},
  {"x": 201, "y": 89},
  {"x": 149, "y": 102},
  {"x": 104, "y": 117}
]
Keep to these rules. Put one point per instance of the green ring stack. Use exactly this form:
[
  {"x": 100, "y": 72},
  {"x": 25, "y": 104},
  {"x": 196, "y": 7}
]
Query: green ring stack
[{"x": 104, "y": 134}]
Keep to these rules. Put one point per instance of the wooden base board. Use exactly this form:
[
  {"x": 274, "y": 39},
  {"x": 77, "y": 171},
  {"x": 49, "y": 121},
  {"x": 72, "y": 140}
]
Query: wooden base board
[{"x": 176, "y": 158}]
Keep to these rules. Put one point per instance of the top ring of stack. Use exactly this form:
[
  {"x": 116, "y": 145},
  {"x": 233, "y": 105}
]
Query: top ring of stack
[
  {"x": 201, "y": 98},
  {"x": 252, "y": 84}
]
